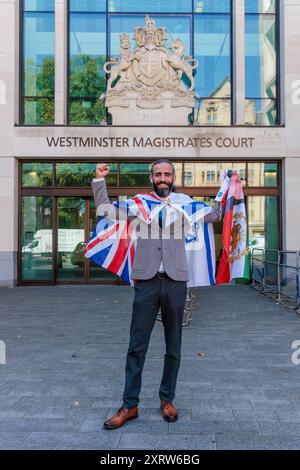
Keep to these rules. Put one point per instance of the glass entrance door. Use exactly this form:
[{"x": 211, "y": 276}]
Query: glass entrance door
[
  {"x": 76, "y": 220},
  {"x": 71, "y": 215}
]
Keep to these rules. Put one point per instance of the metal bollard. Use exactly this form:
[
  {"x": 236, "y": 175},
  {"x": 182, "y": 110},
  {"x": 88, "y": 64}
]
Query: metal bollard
[
  {"x": 278, "y": 276},
  {"x": 297, "y": 281}
]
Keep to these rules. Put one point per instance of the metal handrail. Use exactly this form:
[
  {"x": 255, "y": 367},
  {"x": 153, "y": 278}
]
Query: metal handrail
[{"x": 260, "y": 255}]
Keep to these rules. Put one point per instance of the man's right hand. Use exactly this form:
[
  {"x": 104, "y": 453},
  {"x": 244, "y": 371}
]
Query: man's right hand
[{"x": 102, "y": 171}]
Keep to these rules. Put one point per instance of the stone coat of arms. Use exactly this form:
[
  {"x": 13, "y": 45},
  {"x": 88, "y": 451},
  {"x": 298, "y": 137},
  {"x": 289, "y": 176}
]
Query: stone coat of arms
[{"x": 150, "y": 77}]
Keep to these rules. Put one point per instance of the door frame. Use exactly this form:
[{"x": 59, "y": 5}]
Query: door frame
[{"x": 86, "y": 193}]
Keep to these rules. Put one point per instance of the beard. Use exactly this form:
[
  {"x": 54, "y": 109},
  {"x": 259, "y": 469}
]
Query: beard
[{"x": 163, "y": 192}]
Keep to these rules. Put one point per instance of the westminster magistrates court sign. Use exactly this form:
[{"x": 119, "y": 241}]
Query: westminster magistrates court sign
[
  {"x": 148, "y": 142},
  {"x": 135, "y": 142}
]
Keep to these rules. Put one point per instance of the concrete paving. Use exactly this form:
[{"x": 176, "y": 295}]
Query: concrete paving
[{"x": 237, "y": 388}]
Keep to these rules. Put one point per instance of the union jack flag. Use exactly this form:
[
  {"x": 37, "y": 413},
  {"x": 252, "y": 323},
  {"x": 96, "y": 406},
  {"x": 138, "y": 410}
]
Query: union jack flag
[{"x": 113, "y": 242}]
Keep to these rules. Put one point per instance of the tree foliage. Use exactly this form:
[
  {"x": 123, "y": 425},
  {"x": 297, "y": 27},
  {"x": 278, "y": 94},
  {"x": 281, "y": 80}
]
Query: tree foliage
[{"x": 87, "y": 83}]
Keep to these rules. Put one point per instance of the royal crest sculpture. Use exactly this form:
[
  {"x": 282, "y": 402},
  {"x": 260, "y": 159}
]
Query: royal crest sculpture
[{"x": 150, "y": 78}]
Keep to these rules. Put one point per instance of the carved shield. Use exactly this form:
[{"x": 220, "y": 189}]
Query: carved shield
[{"x": 150, "y": 68}]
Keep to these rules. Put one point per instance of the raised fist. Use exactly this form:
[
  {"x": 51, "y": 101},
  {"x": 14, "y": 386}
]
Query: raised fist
[{"x": 102, "y": 170}]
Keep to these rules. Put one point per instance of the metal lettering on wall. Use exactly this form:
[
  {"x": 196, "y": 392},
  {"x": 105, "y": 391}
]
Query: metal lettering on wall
[{"x": 148, "y": 142}]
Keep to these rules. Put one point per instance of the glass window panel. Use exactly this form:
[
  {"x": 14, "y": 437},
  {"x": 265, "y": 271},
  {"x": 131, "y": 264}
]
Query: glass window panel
[
  {"x": 212, "y": 50},
  {"x": 134, "y": 174},
  {"x": 176, "y": 6},
  {"x": 212, "y": 6},
  {"x": 261, "y": 112},
  {"x": 82, "y": 174},
  {"x": 38, "y": 5},
  {"x": 179, "y": 174},
  {"x": 178, "y": 26},
  {"x": 262, "y": 174},
  {"x": 263, "y": 224},
  {"x": 212, "y": 111},
  {"x": 36, "y": 174},
  {"x": 38, "y": 111},
  {"x": 96, "y": 272},
  {"x": 260, "y": 56},
  {"x": 88, "y": 5},
  {"x": 87, "y": 77},
  {"x": 137, "y": 174},
  {"x": 209, "y": 173},
  {"x": 36, "y": 239},
  {"x": 87, "y": 112},
  {"x": 70, "y": 238},
  {"x": 38, "y": 66},
  {"x": 87, "y": 55},
  {"x": 260, "y": 6}
]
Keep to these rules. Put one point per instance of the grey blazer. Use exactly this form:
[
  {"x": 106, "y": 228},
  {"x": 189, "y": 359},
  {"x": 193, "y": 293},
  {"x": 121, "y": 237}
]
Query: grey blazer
[{"x": 155, "y": 244}]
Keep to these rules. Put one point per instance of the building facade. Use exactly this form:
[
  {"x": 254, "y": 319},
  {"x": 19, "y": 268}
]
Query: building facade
[{"x": 54, "y": 126}]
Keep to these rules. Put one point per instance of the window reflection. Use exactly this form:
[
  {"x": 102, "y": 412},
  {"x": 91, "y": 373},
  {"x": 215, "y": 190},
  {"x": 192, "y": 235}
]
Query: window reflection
[
  {"x": 260, "y": 69},
  {"x": 36, "y": 238},
  {"x": 213, "y": 112},
  {"x": 212, "y": 6},
  {"x": 212, "y": 50},
  {"x": 261, "y": 112},
  {"x": 38, "y": 5},
  {"x": 38, "y": 62},
  {"x": 179, "y": 174},
  {"x": 137, "y": 174},
  {"x": 88, "y": 5},
  {"x": 209, "y": 173},
  {"x": 262, "y": 174},
  {"x": 37, "y": 174},
  {"x": 71, "y": 174},
  {"x": 87, "y": 77},
  {"x": 263, "y": 222},
  {"x": 134, "y": 174},
  {"x": 81, "y": 174},
  {"x": 260, "y": 6},
  {"x": 86, "y": 112},
  {"x": 176, "y": 6},
  {"x": 70, "y": 238}
]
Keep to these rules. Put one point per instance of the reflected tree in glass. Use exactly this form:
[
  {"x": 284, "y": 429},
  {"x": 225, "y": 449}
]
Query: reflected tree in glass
[
  {"x": 36, "y": 239},
  {"x": 39, "y": 88},
  {"x": 87, "y": 83},
  {"x": 82, "y": 174},
  {"x": 36, "y": 174}
]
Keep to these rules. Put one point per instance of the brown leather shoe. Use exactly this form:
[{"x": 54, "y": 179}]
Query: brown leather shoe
[
  {"x": 122, "y": 415},
  {"x": 169, "y": 411}
]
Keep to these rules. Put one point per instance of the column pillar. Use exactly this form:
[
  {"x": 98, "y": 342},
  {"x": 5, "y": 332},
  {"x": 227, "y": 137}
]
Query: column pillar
[
  {"x": 238, "y": 62},
  {"x": 61, "y": 56},
  {"x": 9, "y": 105}
]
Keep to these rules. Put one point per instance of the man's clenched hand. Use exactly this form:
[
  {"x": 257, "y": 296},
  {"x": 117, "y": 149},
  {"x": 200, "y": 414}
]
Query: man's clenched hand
[{"x": 102, "y": 170}]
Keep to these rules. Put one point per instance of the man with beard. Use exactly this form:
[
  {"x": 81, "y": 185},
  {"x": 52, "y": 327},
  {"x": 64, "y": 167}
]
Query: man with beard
[{"x": 160, "y": 272}]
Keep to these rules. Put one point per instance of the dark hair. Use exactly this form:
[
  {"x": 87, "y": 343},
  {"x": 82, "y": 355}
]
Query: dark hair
[{"x": 162, "y": 160}]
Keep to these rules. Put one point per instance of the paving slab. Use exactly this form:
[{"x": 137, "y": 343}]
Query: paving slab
[{"x": 66, "y": 347}]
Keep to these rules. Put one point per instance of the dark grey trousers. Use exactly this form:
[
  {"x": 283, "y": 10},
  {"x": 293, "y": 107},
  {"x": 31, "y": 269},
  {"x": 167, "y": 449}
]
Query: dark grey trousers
[{"x": 150, "y": 295}]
